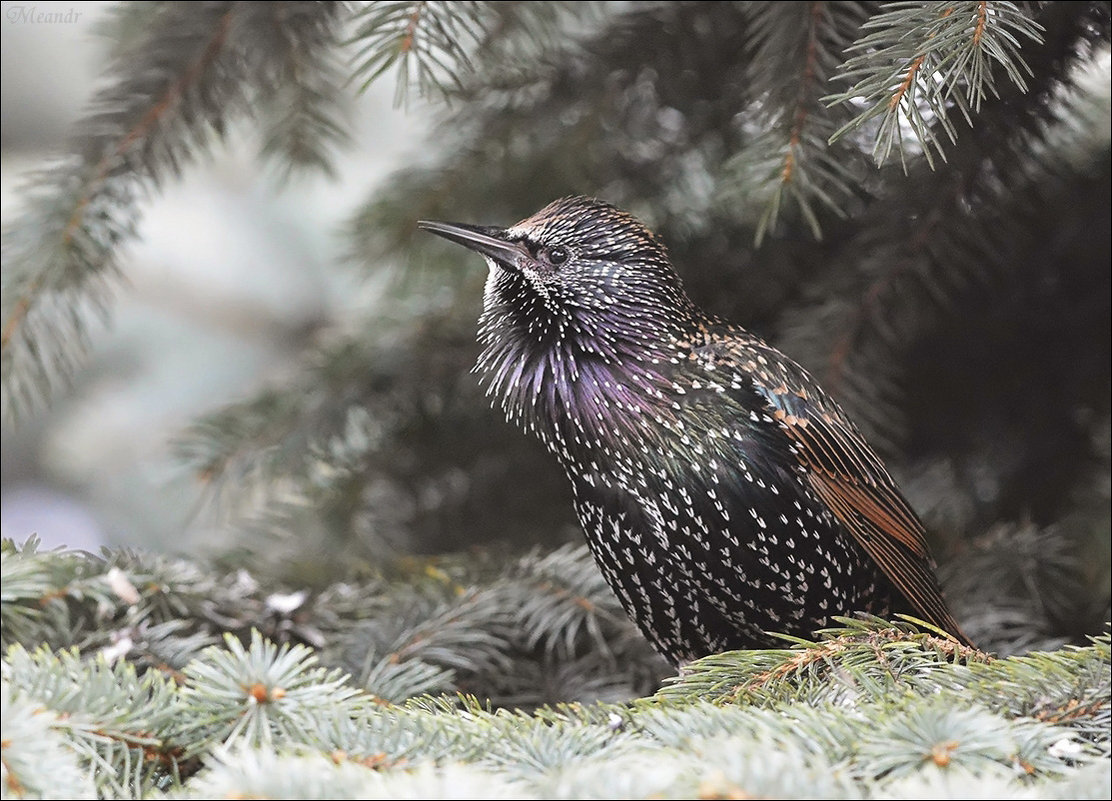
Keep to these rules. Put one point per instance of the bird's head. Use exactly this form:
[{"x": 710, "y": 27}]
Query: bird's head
[{"x": 581, "y": 278}]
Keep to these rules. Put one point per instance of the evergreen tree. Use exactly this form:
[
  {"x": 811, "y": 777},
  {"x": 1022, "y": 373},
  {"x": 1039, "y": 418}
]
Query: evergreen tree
[{"x": 911, "y": 199}]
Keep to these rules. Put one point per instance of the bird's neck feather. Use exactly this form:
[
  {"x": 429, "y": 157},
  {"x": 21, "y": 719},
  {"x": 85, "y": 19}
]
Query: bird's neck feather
[{"x": 577, "y": 391}]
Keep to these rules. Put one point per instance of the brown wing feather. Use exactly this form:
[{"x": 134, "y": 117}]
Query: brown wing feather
[
  {"x": 910, "y": 572},
  {"x": 845, "y": 473},
  {"x": 866, "y": 487},
  {"x": 850, "y": 479}
]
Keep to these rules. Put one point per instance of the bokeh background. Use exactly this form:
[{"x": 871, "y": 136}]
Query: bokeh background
[
  {"x": 230, "y": 275},
  {"x": 282, "y": 379}
]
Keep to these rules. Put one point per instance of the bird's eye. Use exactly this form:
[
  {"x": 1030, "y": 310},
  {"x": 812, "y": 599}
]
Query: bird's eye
[{"x": 556, "y": 254}]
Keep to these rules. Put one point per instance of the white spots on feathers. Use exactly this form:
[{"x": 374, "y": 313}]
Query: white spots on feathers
[{"x": 673, "y": 430}]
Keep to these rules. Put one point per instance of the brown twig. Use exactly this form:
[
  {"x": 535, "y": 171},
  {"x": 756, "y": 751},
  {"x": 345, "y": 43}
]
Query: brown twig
[{"x": 168, "y": 101}]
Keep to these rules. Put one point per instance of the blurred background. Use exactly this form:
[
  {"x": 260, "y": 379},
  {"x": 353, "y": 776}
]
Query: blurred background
[
  {"x": 230, "y": 275},
  {"x": 282, "y": 375}
]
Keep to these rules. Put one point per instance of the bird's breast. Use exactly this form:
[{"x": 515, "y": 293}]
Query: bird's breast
[{"x": 706, "y": 551}]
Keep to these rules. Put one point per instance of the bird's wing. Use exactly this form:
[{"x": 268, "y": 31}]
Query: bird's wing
[{"x": 844, "y": 473}]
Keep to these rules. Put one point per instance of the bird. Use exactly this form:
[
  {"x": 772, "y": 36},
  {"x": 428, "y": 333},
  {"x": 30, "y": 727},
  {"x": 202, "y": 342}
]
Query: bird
[{"x": 725, "y": 497}]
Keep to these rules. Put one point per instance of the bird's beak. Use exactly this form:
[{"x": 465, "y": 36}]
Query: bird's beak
[{"x": 488, "y": 240}]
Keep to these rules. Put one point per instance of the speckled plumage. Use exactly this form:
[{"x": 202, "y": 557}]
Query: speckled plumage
[{"x": 723, "y": 493}]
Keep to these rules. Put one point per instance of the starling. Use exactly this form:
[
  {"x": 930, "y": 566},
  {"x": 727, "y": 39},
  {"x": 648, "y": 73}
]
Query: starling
[{"x": 723, "y": 494}]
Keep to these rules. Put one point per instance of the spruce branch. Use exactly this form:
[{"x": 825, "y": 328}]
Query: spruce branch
[
  {"x": 971, "y": 740},
  {"x": 967, "y": 236},
  {"x": 419, "y": 644},
  {"x": 328, "y": 438},
  {"x": 430, "y": 43},
  {"x": 35, "y": 758},
  {"x": 260, "y": 695},
  {"x": 172, "y": 91},
  {"x": 63, "y": 252},
  {"x": 921, "y": 60},
  {"x": 1030, "y": 571},
  {"x": 304, "y": 773},
  {"x": 865, "y": 658},
  {"x": 564, "y": 599},
  {"x": 24, "y": 582},
  {"x": 59, "y": 595},
  {"x": 870, "y": 709},
  {"x": 302, "y": 90},
  {"x": 459, "y": 48},
  {"x": 119, "y": 723},
  {"x": 790, "y": 167}
]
